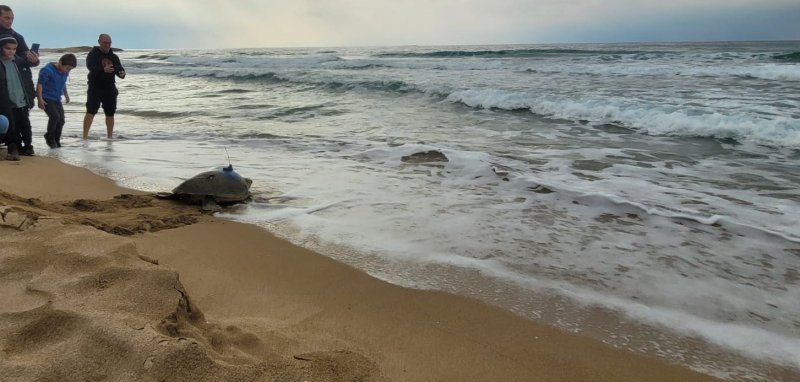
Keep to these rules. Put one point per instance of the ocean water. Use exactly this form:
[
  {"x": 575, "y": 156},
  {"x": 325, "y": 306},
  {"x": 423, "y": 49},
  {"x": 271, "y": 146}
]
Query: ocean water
[{"x": 644, "y": 194}]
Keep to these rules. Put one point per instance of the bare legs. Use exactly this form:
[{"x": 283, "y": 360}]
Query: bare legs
[
  {"x": 87, "y": 124},
  {"x": 110, "y": 126}
]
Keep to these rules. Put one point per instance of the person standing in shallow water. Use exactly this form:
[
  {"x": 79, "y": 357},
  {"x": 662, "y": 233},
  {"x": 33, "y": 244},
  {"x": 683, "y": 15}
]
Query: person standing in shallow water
[
  {"x": 104, "y": 66},
  {"x": 52, "y": 85}
]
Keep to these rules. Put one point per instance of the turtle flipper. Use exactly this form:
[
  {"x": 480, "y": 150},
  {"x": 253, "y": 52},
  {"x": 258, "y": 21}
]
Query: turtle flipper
[
  {"x": 209, "y": 204},
  {"x": 165, "y": 195}
]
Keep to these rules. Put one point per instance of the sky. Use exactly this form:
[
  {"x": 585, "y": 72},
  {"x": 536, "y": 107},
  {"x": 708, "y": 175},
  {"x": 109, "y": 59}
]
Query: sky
[{"x": 143, "y": 24}]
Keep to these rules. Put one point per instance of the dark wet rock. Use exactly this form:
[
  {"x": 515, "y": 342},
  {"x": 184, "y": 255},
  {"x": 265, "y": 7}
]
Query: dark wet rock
[
  {"x": 541, "y": 189},
  {"x": 425, "y": 157}
]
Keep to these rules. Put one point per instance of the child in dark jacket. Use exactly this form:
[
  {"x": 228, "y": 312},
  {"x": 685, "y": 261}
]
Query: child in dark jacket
[
  {"x": 52, "y": 84},
  {"x": 8, "y": 46}
]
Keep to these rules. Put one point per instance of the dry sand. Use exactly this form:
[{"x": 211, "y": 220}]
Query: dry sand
[{"x": 102, "y": 283}]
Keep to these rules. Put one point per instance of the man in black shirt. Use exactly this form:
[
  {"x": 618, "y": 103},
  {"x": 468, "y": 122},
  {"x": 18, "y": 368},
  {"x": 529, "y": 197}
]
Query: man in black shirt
[{"x": 104, "y": 66}]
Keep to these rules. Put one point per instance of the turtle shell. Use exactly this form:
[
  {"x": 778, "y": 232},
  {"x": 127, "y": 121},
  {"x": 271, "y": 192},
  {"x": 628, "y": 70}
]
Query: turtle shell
[{"x": 224, "y": 185}]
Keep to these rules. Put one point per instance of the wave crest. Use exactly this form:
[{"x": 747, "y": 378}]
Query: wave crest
[{"x": 649, "y": 119}]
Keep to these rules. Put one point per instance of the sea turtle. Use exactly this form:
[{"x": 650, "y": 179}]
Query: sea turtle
[{"x": 223, "y": 186}]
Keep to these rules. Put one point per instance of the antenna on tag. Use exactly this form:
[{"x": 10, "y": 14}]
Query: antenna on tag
[{"x": 230, "y": 166}]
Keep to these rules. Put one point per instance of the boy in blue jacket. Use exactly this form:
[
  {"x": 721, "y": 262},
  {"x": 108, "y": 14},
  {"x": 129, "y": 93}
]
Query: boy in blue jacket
[{"x": 52, "y": 84}]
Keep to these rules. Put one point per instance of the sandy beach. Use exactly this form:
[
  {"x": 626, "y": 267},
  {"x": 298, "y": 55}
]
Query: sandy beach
[{"x": 99, "y": 282}]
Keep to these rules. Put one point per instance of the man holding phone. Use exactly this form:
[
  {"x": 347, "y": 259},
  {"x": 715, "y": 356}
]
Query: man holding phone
[
  {"x": 104, "y": 66},
  {"x": 23, "y": 53},
  {"x": 24, "y": 59}
]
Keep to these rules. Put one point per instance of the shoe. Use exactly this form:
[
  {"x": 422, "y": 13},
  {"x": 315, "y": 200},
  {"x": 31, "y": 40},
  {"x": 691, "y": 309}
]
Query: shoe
[
  {"x": 13, "y": 155},
  {"x": 50, "y": 141},
  {"x": 27, "y": 151}
]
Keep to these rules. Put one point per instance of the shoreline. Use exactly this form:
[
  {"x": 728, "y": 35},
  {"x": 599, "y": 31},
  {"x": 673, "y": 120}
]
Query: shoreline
[{"x": 227, "y": 298}]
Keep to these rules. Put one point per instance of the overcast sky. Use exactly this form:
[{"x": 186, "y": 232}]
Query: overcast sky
[{"x": 319, "y": 23}]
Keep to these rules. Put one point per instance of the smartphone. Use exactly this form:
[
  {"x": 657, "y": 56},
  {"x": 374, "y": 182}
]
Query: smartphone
[{"x": 35, "y": 48}]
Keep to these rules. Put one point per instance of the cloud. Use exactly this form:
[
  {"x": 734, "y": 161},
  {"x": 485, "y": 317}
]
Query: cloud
[
  {"x": 278, "y": 23},
  {"x": 739, "y": 20}
]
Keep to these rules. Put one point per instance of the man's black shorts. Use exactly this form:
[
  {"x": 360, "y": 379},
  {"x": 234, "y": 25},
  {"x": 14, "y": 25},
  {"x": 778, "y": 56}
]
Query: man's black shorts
[{"x": 105, "y": 96}]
